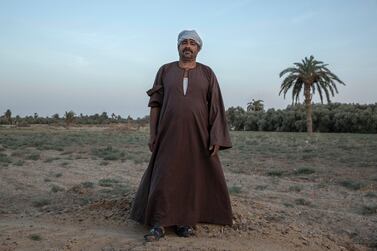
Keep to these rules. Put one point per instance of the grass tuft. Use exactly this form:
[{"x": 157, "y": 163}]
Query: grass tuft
[
  {"x": 235, "y": 189},
  {"x": 34, "y": 156},
  {"x": 304, "y": 170},
  {"x": 302, "y": 202},
  {"x": 40, "y": 202},
  {"x": 108, "y": 153},
  {"x": 368, "y": 210},
  {"x": 35, "y": 237},
  {"x": 295, "y": 188},
  {"x": 275, "y": 173},
  {"x": 87, "y": 184},
  {"x": 4, "y": 158},
  {"x": 56, "y": 189},
  {"x": 107, "y": 182},
  {"x": 352, "y": 185}
]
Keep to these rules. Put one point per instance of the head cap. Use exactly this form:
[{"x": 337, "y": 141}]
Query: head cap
[{"x": 190, "y": 34}]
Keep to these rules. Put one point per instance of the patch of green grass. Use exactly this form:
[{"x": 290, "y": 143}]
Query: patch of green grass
[
  {"x": 107, "y": 182},
  {"x": 19, "y": 153},
  {"x": 87, "y": 184},
  {"x": 40, "y": 202},
  {"x": 56, "y": 189},
  {"x": 51, "y": 159},
  {"x": 105, "y": 191},
  {"x": 116, "y": 190},
  {"x": 120, "y": 189},
  {"x": 104, "y": 163},
  {"x": 64, "y": 164},
  {"x": 235, "y": 189},
  {"x": 85, "y": 201},
  {"x": 33, "y": 156},
  {"x": 368, "y": 210},
  {"x": 19, "y": 163},
  {"x": 371, "y": 195},
  {"x": 304, "y": 170},
  {"x": 286, "y": 204},
  {"x": 351, "y": 184},
  {"x": 4, "y": 158},
  {"x": 108, "y": 153},
  {"x": 295, "y": 188},
  {"x": 302, "y": 202},
  {"x": 261, "y": 187},
  {"x": 35, "y": 237},
  {"x": 275, "y": 173}
]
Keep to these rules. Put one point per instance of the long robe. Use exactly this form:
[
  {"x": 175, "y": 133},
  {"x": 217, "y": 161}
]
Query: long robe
[{"x": 183, "y": 184}]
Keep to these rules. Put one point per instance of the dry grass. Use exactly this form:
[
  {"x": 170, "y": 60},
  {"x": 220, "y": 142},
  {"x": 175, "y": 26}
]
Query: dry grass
[{"x": 327, "y": 181}]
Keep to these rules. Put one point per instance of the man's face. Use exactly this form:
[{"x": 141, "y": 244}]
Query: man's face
[{"x": 188, "y": 49}]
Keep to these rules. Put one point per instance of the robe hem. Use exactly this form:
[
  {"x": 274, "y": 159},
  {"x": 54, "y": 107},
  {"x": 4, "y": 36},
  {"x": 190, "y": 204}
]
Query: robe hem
[{"x": 169, "y": 224}]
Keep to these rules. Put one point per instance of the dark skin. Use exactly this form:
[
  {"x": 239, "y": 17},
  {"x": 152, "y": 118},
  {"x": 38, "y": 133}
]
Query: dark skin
[{"x": 188, "y": 49}]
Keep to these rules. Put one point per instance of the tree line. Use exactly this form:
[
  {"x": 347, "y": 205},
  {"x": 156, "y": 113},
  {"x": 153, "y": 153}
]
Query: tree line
[
  {"x": 69, "y": 118},
  {"x": 332, "y": 117}
]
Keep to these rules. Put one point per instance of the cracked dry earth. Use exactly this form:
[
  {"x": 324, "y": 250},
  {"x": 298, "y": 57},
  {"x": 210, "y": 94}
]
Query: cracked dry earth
[{"x": 66, "y": 199}]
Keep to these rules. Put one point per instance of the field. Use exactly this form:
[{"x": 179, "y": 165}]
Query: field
[{"x": 71, "y": 189}]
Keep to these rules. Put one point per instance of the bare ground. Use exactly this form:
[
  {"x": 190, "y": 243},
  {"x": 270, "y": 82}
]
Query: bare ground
[{"x": 68, "y": 200}]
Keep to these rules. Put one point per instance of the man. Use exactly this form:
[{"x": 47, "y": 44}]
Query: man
[{"x": 184, "y": 183}]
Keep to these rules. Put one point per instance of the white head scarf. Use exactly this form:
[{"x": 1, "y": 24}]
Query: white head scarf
[{"x": 190, "y": 34}]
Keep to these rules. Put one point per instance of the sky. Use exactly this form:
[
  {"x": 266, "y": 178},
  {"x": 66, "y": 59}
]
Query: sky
[{"x": 102, "y": 56}]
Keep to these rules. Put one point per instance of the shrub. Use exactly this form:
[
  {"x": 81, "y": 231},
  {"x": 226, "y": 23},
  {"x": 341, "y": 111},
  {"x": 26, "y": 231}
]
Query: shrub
[{"x": 352, "y": 185}]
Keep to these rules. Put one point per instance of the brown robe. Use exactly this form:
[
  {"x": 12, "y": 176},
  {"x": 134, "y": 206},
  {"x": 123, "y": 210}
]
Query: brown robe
[{"x": 183, "y": 184}]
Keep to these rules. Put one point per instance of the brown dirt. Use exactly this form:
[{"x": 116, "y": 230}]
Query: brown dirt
[{"x": 80, "y": 217}]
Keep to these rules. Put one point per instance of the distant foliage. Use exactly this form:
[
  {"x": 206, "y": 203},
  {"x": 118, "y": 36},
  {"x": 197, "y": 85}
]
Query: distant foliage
[
  {"x": 255, "y": 105},
  {"x": 333, "y": 117},
  {"x": 70, "y": 118}
]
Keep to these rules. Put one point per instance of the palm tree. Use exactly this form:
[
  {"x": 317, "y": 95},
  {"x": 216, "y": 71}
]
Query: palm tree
[
  {"x": 255, "y": 105},
  {"x": 314, "y": 76},
  {"x": 8, "y": 116},
  {"x": 69, "y": 118}
]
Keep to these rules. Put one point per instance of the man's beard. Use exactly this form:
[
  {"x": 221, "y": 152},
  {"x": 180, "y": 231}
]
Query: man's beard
[{"x": 186, "y": 55}]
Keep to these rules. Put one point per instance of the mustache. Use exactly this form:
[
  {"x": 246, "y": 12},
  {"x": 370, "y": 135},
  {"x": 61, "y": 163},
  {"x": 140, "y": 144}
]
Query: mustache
[{"x": 187, "y": 49}]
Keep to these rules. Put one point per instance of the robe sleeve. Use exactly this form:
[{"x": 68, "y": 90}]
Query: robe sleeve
[
  {"x": 156, "y": 93},
  {"x": 218, "y": 127}
]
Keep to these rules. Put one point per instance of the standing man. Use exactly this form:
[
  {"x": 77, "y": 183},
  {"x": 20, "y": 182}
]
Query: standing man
[{"x": 184, "y": 183}]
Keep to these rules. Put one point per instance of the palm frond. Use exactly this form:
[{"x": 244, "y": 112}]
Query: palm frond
[{"x": 312, "y": 72}]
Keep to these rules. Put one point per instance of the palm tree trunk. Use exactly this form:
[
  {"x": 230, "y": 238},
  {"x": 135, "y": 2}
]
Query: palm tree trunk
[{"x": 308, "y": 106}]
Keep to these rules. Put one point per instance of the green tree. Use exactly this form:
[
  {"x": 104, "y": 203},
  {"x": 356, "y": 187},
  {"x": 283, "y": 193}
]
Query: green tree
[
  {"x": 314, "y": 76},
  {"x": 69, "y": 118},
  {"x": 8, "y": 116},
  {"x": 255, "y": 105},
  {"x": 236, "y": 117}
]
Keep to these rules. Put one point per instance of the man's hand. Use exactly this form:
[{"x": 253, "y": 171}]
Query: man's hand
[
  {"x": 214, "y": 149},
  {"x": 151, "y": 143}
]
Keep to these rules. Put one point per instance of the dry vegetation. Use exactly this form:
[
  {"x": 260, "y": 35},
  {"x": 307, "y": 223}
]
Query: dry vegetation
[{"x": 72, "y": 189}]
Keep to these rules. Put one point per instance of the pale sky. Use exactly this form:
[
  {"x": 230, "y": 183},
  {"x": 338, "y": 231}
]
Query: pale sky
[{"x": 96, "y": 56}]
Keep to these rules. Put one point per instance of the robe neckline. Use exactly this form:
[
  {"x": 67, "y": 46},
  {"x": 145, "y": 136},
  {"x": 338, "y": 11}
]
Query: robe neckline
[{"x": 177, "y": 64}]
